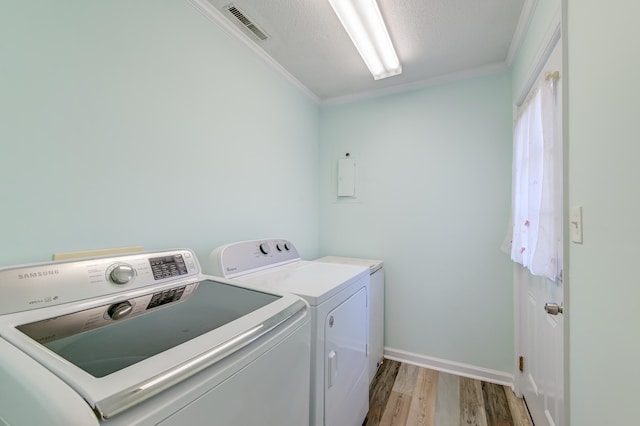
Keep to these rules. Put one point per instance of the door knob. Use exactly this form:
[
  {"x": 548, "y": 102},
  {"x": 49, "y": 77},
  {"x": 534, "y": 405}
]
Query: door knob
[{"x": 553, "y": 308}]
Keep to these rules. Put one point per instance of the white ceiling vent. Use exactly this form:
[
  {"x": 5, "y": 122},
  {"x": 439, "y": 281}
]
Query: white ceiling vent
[{"x": 241, "y": 18}]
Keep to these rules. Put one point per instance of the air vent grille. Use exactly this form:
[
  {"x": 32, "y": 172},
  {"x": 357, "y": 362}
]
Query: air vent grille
[{"x": 242, "y": 18}]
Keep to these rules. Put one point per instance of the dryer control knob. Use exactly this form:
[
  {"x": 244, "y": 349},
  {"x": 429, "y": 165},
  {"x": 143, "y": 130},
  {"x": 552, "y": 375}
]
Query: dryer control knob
[
  {"x": 121, "y": 273},
  {"x": 119, "y": 310},
  {"x": 264, "y": 248}
]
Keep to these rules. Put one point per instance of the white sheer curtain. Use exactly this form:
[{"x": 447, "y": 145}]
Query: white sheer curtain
[{"x": 536, "y": 232}]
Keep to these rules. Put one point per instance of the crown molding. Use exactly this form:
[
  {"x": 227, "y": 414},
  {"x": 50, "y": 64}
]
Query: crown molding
[{"x": 218, "y": 18}]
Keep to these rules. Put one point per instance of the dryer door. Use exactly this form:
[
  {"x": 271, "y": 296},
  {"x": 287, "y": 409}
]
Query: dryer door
[{"x": 346, "y": 363}]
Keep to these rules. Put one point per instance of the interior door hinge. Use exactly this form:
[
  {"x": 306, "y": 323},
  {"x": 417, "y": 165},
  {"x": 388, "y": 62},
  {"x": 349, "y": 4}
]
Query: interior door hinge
[{"x": 521, "y": 364}]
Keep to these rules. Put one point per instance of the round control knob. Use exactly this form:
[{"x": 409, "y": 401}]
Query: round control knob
[
  {"x": 264, "y": 248},
  {"x": 122, "y": 273},
  {"x": 119, "y": 310}
]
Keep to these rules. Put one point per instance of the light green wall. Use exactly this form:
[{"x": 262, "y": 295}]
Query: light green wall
[
  {"x": 125, "y": 123},
  {"x": 433, "y": 184},
  {"x": 603, "y": 89}
]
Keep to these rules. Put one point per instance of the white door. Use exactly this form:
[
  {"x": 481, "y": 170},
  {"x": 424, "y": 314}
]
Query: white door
[
  {"x": 542, "y": 378},
  {"x": 541, "y": 335},
  {"x": 346, "y": 363}
]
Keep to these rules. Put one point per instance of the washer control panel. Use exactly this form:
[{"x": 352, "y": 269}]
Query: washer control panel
[
  {"x": 233, "y": 260},
  {"x": 54, "y": 283}
]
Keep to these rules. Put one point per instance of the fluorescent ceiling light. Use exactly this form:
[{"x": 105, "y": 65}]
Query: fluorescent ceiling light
[{"x": 364, "y": 24}]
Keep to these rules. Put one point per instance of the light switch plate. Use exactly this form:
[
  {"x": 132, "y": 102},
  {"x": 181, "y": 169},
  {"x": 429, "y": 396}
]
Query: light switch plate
[{"x": 575, "y": 224}]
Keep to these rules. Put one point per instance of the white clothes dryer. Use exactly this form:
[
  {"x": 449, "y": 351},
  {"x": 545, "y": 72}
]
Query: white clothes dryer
[
  {"x": 376, "y": 307},
  {"x": 338, "y": 299}
]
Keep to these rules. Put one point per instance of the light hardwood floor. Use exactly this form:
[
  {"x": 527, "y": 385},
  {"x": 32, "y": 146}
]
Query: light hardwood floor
[{"x": 403, "y": 394}]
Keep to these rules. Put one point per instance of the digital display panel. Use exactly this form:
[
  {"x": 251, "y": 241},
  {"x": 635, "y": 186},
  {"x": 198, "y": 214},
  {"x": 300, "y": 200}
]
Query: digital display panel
[{"x": 168, "y": 266}]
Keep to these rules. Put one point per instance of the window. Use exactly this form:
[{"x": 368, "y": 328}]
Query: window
[{"x": 536, "y": 232}]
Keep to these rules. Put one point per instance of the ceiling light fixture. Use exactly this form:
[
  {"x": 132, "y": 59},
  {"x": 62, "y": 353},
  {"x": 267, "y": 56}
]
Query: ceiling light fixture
[{"x": 363, "y": 22}]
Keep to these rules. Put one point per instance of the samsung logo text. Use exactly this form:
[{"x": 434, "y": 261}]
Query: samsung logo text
[{"x": 39, "y": 274}]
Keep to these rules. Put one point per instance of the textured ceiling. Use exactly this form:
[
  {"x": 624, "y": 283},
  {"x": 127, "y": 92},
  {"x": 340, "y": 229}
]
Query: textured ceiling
[{"x": 434, "y": 39}]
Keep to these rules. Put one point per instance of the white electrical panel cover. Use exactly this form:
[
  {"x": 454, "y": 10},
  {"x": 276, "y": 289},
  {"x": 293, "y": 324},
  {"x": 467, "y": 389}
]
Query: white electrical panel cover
[{"x": 346, "y": 178}]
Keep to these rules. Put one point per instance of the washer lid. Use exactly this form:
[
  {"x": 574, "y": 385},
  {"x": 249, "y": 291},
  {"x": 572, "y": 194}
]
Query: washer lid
[
  {"x": 315, "y": 282},
  {"x": 372, "y": 264},
  {"x": 126, "y": 361}
]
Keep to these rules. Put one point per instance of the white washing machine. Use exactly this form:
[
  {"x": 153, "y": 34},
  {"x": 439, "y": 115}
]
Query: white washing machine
[
  {"x": 146, "y": 339},
  {"x": 376, "y": 307},
  {"x": 338, "y": 297}
]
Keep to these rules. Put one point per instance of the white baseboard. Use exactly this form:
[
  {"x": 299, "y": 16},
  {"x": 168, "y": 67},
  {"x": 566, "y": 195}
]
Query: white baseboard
[{"x": 446, "y": 366}]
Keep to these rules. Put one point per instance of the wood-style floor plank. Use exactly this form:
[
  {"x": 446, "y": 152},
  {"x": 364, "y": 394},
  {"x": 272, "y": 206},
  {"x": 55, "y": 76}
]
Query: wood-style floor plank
[
  {"x": 406, "y": 379},
  {"x": 380, "y": 391},
  {"x": 447, "y": 400},
  {"x": 397, "y": 410},
  {"x": 423, "y": 403},
  {"x": 472, "y": 411},
  {"x": 518, "y": 409},
  {"x": 496, "y": 405}
]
